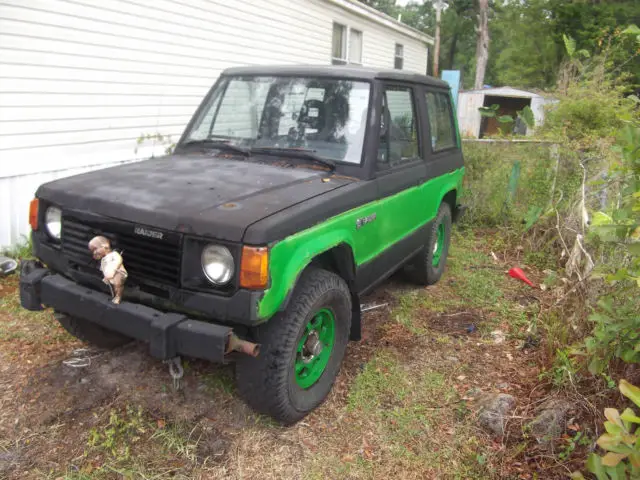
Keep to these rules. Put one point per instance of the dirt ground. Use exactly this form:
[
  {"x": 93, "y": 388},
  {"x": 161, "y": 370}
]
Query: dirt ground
[{"x": 404, "y": 405}]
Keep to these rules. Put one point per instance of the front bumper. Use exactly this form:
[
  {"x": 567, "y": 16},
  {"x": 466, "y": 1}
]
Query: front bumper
[
  {"x": 240, "y": 308},
  {"x": 168, "y": 334}
]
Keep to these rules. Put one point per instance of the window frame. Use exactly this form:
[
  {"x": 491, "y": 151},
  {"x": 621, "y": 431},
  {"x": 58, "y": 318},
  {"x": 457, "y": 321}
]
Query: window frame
[
  {"x": 397, "y": 57},
  {"x": 344, "y": 44},
  {"x": 452, "y": 119},
  {"x": 419, "y": 158}
]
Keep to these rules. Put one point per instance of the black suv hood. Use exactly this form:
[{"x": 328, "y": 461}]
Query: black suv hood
[{"x": 199, "y": 194}]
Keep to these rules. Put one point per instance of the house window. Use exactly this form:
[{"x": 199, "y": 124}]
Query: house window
[
  {"x": 339, "y": 45},
  {"x": 355, "y": 46},
  {"x": 399, "y": 57}
]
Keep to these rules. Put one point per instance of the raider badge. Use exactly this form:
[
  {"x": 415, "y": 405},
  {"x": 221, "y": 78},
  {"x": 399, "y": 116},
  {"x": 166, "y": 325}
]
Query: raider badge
[{"x": 111, "y": 266}]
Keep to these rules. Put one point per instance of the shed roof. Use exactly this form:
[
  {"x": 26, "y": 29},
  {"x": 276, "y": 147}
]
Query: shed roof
[
  {"x": 504, "y": 92},
  {"x": 340, "y": 71}
]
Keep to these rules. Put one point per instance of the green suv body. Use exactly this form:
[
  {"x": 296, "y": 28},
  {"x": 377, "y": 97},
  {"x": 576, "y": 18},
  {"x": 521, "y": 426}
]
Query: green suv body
[{"x": 292, "y": 193}]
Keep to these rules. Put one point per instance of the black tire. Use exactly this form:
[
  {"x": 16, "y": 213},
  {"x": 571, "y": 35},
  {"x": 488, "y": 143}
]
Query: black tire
[
  {"x": 267, "y": 383},
  {"x": 90, "y": 332},
  {"x": 422, "y": 268}
]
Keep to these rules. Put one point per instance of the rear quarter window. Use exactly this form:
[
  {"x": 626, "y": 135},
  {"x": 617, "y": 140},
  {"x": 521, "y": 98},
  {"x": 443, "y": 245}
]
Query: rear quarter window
[{"x": 443, "y": 133}]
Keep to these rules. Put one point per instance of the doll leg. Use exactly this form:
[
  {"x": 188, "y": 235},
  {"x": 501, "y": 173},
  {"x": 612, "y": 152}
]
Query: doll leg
[{"x": 118, "y": 287}]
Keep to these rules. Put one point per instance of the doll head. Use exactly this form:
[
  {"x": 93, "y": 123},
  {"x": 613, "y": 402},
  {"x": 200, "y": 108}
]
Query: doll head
[{"x": 99, "y": 247}]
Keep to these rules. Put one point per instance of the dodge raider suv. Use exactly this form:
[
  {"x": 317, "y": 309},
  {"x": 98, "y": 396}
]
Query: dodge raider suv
[{"x": 292, "y": 192}]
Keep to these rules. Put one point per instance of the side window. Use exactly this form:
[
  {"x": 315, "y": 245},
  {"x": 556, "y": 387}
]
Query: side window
[
  {"x": 398, "y": 129},
  {"x": 443, "y": 134}
]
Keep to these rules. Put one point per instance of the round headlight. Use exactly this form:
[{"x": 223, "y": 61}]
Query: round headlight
[
  {"x": 217, "y": 264},
  {"x": 53, "y": 222}
]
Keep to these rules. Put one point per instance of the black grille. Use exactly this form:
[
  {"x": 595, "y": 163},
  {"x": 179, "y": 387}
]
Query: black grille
[{"x": 144, "y": 258}]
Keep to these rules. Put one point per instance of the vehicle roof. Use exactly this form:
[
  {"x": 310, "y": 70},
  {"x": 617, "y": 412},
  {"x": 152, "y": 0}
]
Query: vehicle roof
[{"x": 342, "y": 71}]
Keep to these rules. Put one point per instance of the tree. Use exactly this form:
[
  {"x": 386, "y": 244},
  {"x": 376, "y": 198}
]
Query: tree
[
  {"x": 436, "y": 56},
  {"x": 385, "y": 6},
  {"x": 482, "y": 47},
  {"x": 523, "y": 51},
  {"x": 527, "y": 37}
]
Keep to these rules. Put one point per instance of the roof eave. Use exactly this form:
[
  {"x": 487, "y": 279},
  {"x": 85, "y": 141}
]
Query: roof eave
[{"x": 376, "y": 16}]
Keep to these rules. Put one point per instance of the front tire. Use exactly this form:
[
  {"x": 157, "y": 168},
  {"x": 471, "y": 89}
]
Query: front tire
[
  {"x": 301, "y": 350},
  {"x": 90, "y": 333},
  {"x": 429, "y": 264}
]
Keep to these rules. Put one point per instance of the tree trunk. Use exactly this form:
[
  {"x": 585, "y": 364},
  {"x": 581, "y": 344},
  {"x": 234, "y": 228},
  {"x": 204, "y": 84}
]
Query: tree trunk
[
  {"x": 452, "y": 48},
  {"x": 436, "y": 55},
  {"x": 482, "y": 47}
]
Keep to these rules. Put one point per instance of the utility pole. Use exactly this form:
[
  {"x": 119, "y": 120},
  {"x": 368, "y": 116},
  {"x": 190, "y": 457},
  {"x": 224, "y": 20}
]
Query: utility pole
[{"x": 436, "y": 55}]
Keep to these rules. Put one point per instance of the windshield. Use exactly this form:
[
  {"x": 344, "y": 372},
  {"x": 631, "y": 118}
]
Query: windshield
[{"x": 325, "y": 116}]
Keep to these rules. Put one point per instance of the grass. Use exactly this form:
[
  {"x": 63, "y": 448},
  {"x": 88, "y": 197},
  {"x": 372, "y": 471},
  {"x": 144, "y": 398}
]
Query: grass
[
  {"x": 22, "y": 250},
  {"x": 219, "y": 382},
  {"x": 408, "y": 423},
  {"x": 474, "y": 283},
  {"x": 180, "y": 440},
  {"x": 23, "y": 326}
]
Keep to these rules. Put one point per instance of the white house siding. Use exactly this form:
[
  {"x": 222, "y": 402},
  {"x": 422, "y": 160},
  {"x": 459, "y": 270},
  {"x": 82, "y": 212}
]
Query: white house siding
[{"x": 81, "y": 80}]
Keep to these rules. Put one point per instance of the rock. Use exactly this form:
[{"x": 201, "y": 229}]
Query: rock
[
  {"x": 452, "y": 359},
  {"x": 8, "y": 460},
  {"x": 498, "y": 336},
  {"x": 494, "y": 409},
  {"x": 550, "y": 422}
]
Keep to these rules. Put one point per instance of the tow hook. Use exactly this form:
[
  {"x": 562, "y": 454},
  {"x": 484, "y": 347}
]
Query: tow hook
[
  {"x": 176, "y": 371},
  {"x": 236, "y": 344}
]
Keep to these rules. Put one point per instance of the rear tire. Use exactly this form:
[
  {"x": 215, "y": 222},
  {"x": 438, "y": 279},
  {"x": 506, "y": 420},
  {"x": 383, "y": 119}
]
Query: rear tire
[
  {"x": 290, "y": 377},
  {"x": 428, "y": 265},
  {"x": 90, "y": 332}
]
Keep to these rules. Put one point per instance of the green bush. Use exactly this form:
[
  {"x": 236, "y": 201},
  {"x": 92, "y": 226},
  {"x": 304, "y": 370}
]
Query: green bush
[
  {"x": 616, "y": 332},
  {"x": 621, "y": 442},
  {"x": 587, "y": 112}
]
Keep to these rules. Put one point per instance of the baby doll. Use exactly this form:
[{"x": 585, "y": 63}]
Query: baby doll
[{"x": 111, "y": 266}]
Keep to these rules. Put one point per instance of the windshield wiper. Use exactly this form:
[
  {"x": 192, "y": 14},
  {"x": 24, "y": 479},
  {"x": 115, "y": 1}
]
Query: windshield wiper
[
  {"x": 296, "y": 153},
  {"x": 219, "y": 144}
]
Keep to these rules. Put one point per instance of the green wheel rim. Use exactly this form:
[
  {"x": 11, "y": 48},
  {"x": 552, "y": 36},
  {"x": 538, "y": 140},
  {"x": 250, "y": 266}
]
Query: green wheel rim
[
  {"x": 314, "y": 348},
  {"x": 439, "y": 246}
]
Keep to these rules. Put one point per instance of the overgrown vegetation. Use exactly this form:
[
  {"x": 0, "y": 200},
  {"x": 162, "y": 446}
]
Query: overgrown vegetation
[
  {"x": 21, "y": 250},
  {"x": 571, "y": 203},
  {"x": 620, "y": 441}
]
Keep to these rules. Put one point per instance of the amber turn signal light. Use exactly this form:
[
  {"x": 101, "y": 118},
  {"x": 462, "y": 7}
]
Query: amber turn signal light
[
  {"x": 254, "y": 267},
  {"x": 33, "y": 214}
]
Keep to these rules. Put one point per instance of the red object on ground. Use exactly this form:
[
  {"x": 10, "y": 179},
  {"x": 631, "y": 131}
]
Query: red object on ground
[{"x": 516, "y": 272}]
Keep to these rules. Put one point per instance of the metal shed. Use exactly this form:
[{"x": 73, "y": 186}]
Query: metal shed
[{"x": 511, "y": 100}]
